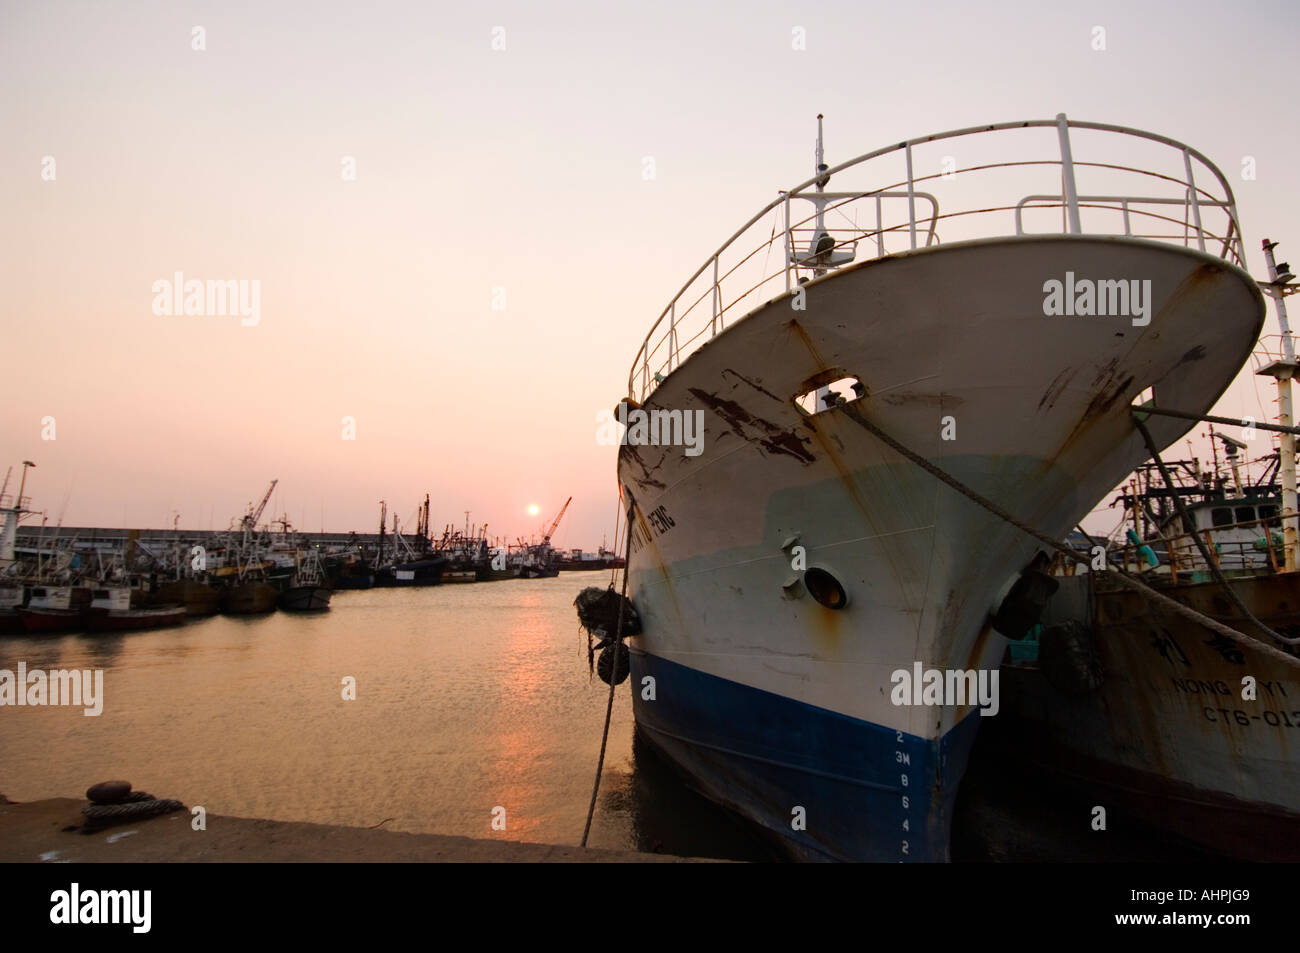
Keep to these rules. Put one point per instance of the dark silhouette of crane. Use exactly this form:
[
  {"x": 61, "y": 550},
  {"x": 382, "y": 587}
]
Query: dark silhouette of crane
[
  {"x": 253, "y": 515},
  {"x": 550, "y": 532}
]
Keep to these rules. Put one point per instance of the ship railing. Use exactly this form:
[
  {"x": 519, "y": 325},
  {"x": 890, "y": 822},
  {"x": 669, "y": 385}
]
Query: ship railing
[
  {"x": 1180, "y": 554},
  {"x": 1269, "y": 348},
  {"x": 1069, "y": 177}
]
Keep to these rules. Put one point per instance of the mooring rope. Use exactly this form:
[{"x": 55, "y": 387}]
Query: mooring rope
[
  {"x": 613, "y": 671},
  {"x": 618, "y": 523},
  {"x": 1200, "y": 543},
  {"x": 136, "y": 805},
  {"x": 1172, "y": 605}
]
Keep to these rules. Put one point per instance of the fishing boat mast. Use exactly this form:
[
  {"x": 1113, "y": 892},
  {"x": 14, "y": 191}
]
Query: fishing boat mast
[
  {"x": 12, "y": 515},
  {"x": 819, "y": 198},
  {"x": 822, "y": 254},
  {"x": 1278, "y": 287}
]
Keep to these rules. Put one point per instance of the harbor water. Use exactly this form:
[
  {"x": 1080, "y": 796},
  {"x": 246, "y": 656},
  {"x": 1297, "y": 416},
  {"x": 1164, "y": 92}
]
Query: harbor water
[{"x": 469, "y": 698}]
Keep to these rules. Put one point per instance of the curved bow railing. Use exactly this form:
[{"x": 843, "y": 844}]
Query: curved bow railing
[{"x": 1177, "y": 195}]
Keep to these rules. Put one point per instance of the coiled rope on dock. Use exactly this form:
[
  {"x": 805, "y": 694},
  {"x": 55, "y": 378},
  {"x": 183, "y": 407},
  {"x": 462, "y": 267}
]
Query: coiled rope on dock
[
  {"x": 105, "y": 815},
  {"x": 113, "y": 802},
  {"x": 1124, "y": 577}
]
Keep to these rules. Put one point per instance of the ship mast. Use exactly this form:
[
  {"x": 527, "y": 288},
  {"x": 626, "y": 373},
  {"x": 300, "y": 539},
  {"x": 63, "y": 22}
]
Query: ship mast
[
  {"x": 22, "y": 485},
  {"x": 9, "y": 532},
  {"x": 822, "y": 251},
  {"x": 1283, "y": 371}
]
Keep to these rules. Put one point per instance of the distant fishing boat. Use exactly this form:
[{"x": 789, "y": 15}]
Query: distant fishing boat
[
  {"x": 110, "y": 610},
  {"x": 350, "y": 570},
  {"x": 196, "y": 596},
  {"x": 536, "y": 562},
  {"x": 540, "y": 560},
  {"x": 252, "y": 596},
  {"x": 788, "y": 561},
  {"x": 413, "y": 572},
  {"x": 468, "y": 552},
  {"x": 11, "y": 598},
  {"x": 12, "y": 591},
  {"x": 246, "y": 586},
  {"x": 511, "y": 570},
  {"x": 577, "y": 560},
  {"x": 55, "y": 609},
  {"x": 398, "y": 563},
  {"x": 354, "y": 581},
  {"x": 538, "y": 572},
  {"x": 14, "y": 509},
  {"x": 307, "y": 590}
]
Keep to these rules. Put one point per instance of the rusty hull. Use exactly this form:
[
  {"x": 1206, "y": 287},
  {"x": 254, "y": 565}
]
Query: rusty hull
[{"x": 1169, "y": 740}]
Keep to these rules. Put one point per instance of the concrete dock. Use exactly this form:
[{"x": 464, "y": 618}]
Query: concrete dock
[{"x": 49, "y": 831}]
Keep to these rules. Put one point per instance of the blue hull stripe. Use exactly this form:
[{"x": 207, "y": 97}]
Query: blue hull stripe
[{"x": 868, "y": 793}]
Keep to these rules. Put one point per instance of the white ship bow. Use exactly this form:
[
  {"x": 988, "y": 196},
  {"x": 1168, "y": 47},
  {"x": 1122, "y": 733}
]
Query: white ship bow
[{"x": 780, "y": 706}]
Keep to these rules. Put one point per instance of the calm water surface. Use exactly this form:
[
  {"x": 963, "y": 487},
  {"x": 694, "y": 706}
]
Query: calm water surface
[{"x": 469, "y": 697}]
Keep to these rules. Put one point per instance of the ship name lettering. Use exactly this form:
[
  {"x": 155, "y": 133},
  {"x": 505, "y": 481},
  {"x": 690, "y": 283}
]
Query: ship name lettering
[
  {"x": 1195, "y": 686},
  {"x": 660, "y": 521},
  {"x": 1271, "y": 686},
  {"x": 1274, "y": 719},
  {"x": 638, "y": 538}
]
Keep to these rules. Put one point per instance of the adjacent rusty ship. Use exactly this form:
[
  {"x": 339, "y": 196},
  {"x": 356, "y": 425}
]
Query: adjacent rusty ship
[{"x": 1172, "y": 724}]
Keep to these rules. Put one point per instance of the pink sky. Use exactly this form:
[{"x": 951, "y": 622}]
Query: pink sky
[{"x": 476, "y": 169}]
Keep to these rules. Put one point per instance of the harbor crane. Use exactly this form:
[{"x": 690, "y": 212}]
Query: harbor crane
[
  {"x": 550, "y": 532},
  {"x": 251, "y": 518}
]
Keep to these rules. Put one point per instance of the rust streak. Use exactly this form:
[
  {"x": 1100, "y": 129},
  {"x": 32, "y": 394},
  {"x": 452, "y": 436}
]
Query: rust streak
[
  {"x": 899, "y": 398},
  {"x": 777, "y": 440},
  {"x": 758, "y": 387},
  {"x": 646, "y": 481},
  {"x": 1056, "y": 388}
]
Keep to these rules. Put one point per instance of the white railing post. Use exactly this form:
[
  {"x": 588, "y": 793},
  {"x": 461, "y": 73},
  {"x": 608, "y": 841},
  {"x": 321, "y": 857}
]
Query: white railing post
[
  {"x": 880, "y": 230},
  {"x": 789, "y": 245},
  {"x": 1196, "y": 206},
  {"x": 1067, "y": 173},
  {"x": 672, "y": 335},
  {"x": 911, "y": 197},
  {"x": 1235, "y": 225},
  {"x": 717, "y": 297}
]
